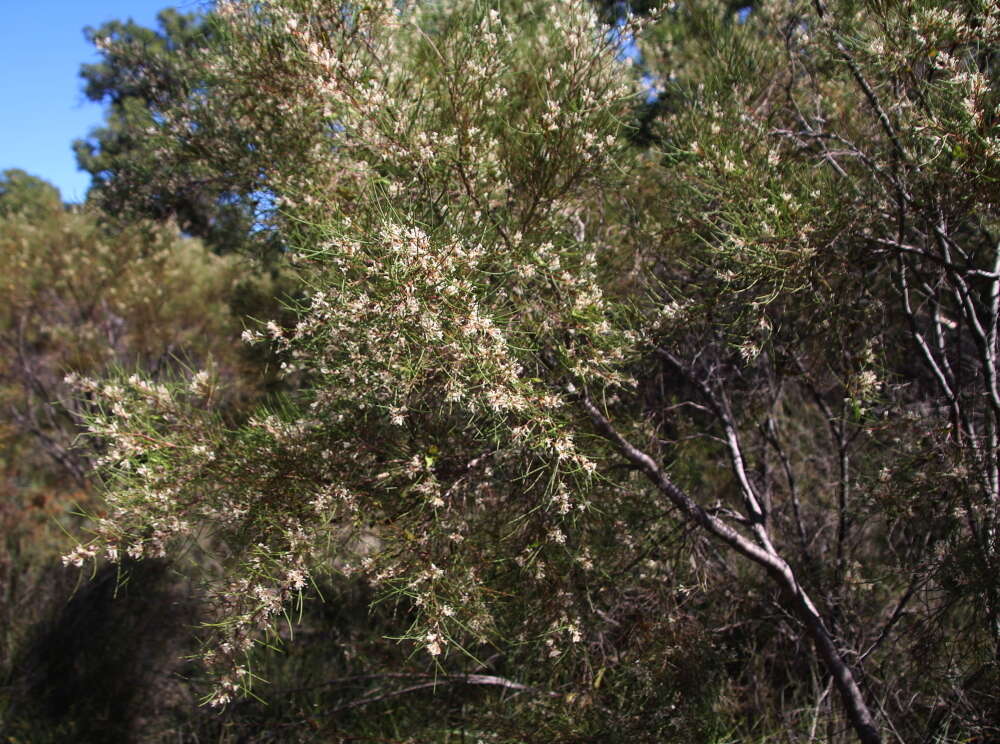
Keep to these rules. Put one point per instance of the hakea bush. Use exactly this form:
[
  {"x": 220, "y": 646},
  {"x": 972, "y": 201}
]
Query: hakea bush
[
  {"x": 425, "y": 409},
  {"x": 429, "y": 447},
  {"x": 493, "y": 279}
]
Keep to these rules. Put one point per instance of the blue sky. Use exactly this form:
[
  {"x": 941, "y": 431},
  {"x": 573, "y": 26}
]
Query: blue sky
[{"x": 41, "y": 50}]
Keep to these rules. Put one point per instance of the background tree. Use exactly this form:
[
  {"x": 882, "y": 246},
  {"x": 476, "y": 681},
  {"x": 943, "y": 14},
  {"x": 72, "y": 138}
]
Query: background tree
[
  {"x": 81, "y": 297},
  {"x": 24, "y": 194},
  {"x": 134, "y": 173}
]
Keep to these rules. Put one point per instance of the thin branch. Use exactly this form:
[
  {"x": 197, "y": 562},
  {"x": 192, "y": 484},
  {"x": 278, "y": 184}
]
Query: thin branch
[
  {"x": 897, "y": 613},
  {"x": 779, "y": 570},
  {"x": 722, "y": 410},
  {"x": 450, "y": 679},
  {"x": 913, "y": 250}
]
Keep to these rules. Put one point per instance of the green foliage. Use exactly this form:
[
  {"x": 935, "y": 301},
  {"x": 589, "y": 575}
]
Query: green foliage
[
  {"x": 84, "y": 296},
  {"x": 138, "y": 173},
  {"x": 23, "y": 194},
  {"x": 557, "y": 389}
]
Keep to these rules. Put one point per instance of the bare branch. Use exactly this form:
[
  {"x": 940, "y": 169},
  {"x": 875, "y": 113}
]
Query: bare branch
[{"x": 777, "y": 568}]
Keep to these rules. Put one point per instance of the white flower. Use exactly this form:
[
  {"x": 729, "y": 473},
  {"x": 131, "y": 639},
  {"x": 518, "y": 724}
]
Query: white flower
[
  {"x": 435, "y": 641},
  {"x": 575, "y": 634},
  {"x": 200, "y": 383},
  {"x": 296, "y": 578}
]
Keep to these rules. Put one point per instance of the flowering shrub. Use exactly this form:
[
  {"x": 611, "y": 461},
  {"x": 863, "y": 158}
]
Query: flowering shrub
[{"x": 526, "y": 339}]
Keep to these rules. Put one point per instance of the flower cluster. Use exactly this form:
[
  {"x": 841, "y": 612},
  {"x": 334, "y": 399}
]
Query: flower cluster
[{"x": 457, "y": 281}]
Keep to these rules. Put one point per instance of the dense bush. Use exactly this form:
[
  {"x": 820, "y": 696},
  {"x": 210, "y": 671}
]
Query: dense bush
[{"x": 634, "y": 413}]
